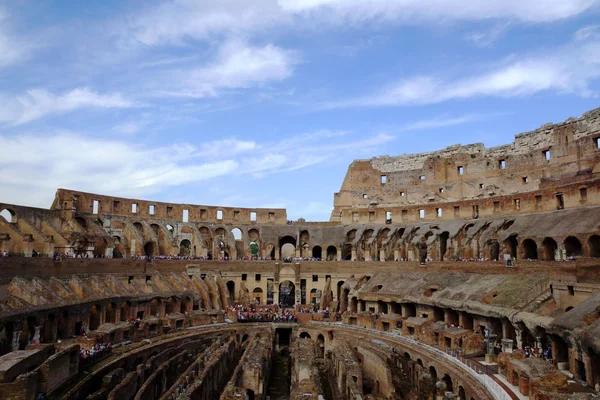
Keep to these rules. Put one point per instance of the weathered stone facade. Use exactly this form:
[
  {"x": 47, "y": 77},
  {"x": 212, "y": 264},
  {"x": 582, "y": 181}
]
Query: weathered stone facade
[{"x": 409, "y": 285}]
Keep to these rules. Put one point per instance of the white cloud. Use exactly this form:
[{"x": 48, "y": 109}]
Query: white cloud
[
  {"x": 120, "y": 168},
  {"x": 565, "y": 70},
  {"x": 588, "y": 32},
  {"x": 13, "y": 48},
  {"x": 236, "y": 66},
  {"x": 177, "y": 21},
  {"x": 438, "y": 123},
  {"x": 128, "y": 128},
  {"x": 38, "y": 103}
]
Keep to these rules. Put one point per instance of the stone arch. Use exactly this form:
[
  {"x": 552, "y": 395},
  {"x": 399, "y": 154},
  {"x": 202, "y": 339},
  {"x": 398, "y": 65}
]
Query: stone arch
[
  {"x": 186, "y": 305},
  {"x": 304, "y": 335},
  {"x": 139, "y": 227},
  {"x": 594, "y": 246},
  {"x": 321, "y": 345},
  {"x": 573, "y": 247},
  {"x": 461, "y": 393},
  {"x": 119, "y": 250},
  {"x": 170, "y": 228},
  {"x": 9, "y": 215},
  {"x": 444, "y": 236},
  {"x": 448, "y": 381},
  {"x": 155, "y": 228},
  {"x": 317, "y": 252},
  {"x": 185, "y": 248},
  {"x": 171, "y": 305},
  {"x": 433, "y": 373},
  {"x": 347, "y": 252},
  {"x": 287, "y": 247},
  {"x": 287, "y": 293},
  {"x": 237, "y": 233},
  {"x": 95, "y": 317},
  {"x": 331, "y": 253},
  {"x": 231, "y": 291},
  {"x": 125, "y": 311},
  {"x": 354, "y": 304},
  {"x": 351, "y": 235},
  {"x": 257, "y": 295},
  {"x": 549, "y": 247},
  {"x": 510, "y": 245},
  {"x": 530, "y": 249},
  {"x": 155, "y": 307},
  {"x": 111, "y": 313},
  {"x": 149, "y": 249},
  {"x": 81, "y": 221}
]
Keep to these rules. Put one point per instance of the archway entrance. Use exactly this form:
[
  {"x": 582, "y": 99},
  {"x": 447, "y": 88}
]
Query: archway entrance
[
  {"x": 231, "y": 291},
  {"x": 287, "y": 247},
  {"x": 594, "y": 246},
  {"x": 149, "y": 249},
  {"x": 510, "y": 244},
  {"x": 8, "y": 215},
  {"x": 185, "y": 248},
  {"x": 530, "y": 249},
  {"x": 549, "y": 247},
  {"x": 254, "y": 249},
  {"x": 331, "y": 253},
  {"x": 443, "y": 244},
  {"x": 287, "y": 294},
  {"x": 573, "y": 247},
  {"x": 317, "y": 252}
]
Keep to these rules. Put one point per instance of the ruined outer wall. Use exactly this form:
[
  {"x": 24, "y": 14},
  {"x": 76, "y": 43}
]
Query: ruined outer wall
[
  {"x": 81, "y": 202},
  {"x": 434, "y": 178}
]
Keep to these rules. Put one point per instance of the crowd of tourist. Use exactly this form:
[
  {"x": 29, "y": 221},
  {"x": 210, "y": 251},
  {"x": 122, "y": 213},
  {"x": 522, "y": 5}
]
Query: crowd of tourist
[
  {"x": 275, "y": 313},
  {"x": 535, "y": 352},
  {"x": 97, "y": 351}
]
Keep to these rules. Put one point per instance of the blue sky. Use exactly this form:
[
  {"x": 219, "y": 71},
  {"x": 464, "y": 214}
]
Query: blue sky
[{"x": 265, "y": 103}]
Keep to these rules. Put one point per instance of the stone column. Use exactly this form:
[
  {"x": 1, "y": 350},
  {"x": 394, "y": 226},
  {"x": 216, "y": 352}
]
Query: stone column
[
  {"x": 396, "y": 255},
  {"x": 353, "y": 253},
  {"x": 381, "y": 255},
  {"x": 28, "y": 250}
]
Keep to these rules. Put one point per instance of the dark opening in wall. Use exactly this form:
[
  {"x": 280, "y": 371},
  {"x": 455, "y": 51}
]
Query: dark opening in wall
[{"x": 244, "y": 277}]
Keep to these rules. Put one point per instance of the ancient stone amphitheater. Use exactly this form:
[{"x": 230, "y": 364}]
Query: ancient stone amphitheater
[{"x": 465, "y": 273}]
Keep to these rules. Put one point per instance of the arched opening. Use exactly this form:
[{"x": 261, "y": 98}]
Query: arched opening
[
  {"x": 125, "y": 307},
  {"x": 170, "y": 228},
  {"x": 313, "y": 296},
  {"x": 561, "y": 349},
  {"x": 549, "y": 247},
  {"x": 461, "y": 393},
  {"x": 171, "y": 305},
  {"x": 139, "y": 226},
  {"x": 317, "y": 252},
  {"x": 231, "y": 291},
  {"x": 155, "y": 228},
  {"x": 382, "y": 307},
  {"x": 321, "y": 344},
  {"x": 443, "y": 244},
  {"x": 594, "y": 246},
  {"x": 149, "y": 249},
  {"x": 254, "y": 249},
  {"x": 257, "y": 295},
  {"x": 510, "y": 245},
  {"x": 353, "y": 305},
  {"x": 95, "y": 317},
  {"x": 237, "y": 233},
  {"x": 185, "y": 248},
  {"x": 119, "y": 249},
  {"x": 530, "y": 249},
  {"x": 287, "y": 247},
  {"x": 250, "y": 394},
  {"x": 433, "y": 373},
  {"x": 155, "y": 307},
  {"x": 304, "y": 335},
  {"x": 448, "y": 381},
  {"x": 347, "y": 252},
  {"x": 7, "y": 214},
  {"x": 111, "y": 313},
  {"x": 573, "y": 247},
  {"x": 186, "y": 305},
  {"x": 287, "y": 294},
  {"x": 331, "y": 253}
]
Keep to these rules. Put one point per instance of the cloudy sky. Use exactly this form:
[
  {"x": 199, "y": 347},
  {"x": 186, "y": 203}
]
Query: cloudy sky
[{"x": 264, "y": 103}]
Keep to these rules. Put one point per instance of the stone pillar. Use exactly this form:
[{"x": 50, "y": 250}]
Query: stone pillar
[
  {"x": 519, "y": 337},
  {"x": 15, "y": 341},
  {"x": 132, "y": 250},
  {"x": 353, "y": 254},
  {"x": 277, "y": 253},
  {"x": 396, "y": 255},
  {"x": 381, "y": 255},
  {"x": 108, "y": 253}
]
